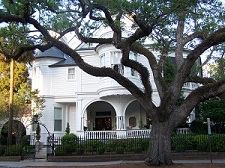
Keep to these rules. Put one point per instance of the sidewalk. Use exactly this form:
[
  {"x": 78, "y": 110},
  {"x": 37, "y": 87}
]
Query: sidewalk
[{"x": 65, "y": 164}]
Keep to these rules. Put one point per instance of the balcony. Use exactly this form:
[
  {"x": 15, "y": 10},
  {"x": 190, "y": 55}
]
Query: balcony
[
  {"x": 190, "y": 86},
  {"x": 108, "y": 86}
]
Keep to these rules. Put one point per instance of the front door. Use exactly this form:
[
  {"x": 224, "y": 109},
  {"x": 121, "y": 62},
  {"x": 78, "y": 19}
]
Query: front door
[{"x": 103, "y": 123}]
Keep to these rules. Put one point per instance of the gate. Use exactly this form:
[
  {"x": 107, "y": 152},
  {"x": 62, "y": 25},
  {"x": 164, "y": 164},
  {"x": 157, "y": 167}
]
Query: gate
[{"x": 27, "y": 148}]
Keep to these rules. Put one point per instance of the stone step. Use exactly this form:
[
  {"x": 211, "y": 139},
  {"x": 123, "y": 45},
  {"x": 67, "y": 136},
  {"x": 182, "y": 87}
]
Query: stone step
[{"x": 41, "y": 154}]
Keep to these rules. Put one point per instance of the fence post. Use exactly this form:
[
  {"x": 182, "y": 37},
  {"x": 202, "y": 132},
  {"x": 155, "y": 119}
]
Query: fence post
[{"x": 209, "y": 137}]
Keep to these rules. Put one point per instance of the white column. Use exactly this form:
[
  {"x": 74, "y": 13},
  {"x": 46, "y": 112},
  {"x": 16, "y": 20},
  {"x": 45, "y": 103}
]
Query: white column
[
  {"x": 120, "y": 122},
  {"x": 66, "y": 115}
]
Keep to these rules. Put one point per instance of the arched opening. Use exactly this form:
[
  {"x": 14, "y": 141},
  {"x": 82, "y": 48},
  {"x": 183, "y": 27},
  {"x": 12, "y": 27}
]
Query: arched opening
[
  {"x": 18, "y": 131},
  {"x": 136, "y": 116},
  {"x": 100, "y": 116}
]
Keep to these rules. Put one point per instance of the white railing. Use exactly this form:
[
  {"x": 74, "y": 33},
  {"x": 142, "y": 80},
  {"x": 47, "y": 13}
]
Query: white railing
[
  {"x": 183, "y": 131},
  {"x": 190, "y": 85},
  {"x": 100, "y": 134},
  {"x": 138, "y": 133},
  {"x": 116, "y": 134}
]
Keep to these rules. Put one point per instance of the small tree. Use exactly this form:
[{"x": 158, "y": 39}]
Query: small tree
[
  {"x": 67, "y": 128},
  {"x": 38, "y": 132}
]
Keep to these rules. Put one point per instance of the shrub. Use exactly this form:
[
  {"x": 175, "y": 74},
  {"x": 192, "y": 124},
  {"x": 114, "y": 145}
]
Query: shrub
[
  {"x": 93, "y": 145},
  {"x": 120, "y": 150},
  {"x": 26, "y": 140},
  {"x": 100, "y": 150},
  {"x": 29, "y": 149},
  {"x": 60, "y": 151},
  {"x": 137, "y": 149},
  {"x": 80, "y": 150},
  {"x": 13, "y": 150},
  {"x": 198, "y": 127},
  {"x": 69, "y": 142},
  {"x": 2, "y": 150},
  {"x": 218, "y": 143}
]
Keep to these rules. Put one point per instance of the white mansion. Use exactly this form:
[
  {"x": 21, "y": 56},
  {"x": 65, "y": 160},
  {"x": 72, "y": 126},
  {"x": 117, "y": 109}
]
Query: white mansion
[{"x": 91, "y": 105}]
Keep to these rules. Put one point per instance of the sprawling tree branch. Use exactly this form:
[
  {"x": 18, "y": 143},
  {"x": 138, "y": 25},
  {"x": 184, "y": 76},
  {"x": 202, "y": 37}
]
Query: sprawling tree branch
[
  {"x": 201, "y": 94},
  {"x": 199, "y": 35},
  {"x": 200, "y": 80},
  {"x": 159, "y": 81}
]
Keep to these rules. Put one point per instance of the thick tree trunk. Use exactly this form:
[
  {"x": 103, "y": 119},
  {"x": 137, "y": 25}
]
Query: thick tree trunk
[{"x": 159, "y": 152}]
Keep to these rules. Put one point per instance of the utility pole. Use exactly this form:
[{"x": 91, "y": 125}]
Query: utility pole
[{"x": 10, "y": 122}]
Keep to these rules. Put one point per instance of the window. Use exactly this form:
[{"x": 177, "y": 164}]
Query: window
[
  {"x": 57, "y": 119},
  {"x": 102, "y": 60},
  {"x": 36, "y": 71},
  {"x": 133, "y": 56},
  {"x": 71, "y": 73},
  {"x": 115, "y": 62}
]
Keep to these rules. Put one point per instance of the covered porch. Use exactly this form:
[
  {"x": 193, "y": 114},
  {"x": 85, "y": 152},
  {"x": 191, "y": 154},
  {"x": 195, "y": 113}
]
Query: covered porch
[{"x": 117, "y": 116}]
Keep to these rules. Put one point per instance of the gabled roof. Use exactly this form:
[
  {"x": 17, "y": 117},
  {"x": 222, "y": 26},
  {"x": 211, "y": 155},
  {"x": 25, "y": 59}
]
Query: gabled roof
[
  {"x": 52, "y": 52},
  {"x": 68, "y": 61}
]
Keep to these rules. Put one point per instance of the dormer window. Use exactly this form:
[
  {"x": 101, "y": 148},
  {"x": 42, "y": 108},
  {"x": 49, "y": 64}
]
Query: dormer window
[{"x": 115, "y": 62}]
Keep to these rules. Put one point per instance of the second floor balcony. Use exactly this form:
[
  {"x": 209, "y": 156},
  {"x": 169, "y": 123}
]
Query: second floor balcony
[{"x": 108, "y": 86}]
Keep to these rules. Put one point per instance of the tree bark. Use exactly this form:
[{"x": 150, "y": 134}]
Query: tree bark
[{"x": 159, "y": 152}]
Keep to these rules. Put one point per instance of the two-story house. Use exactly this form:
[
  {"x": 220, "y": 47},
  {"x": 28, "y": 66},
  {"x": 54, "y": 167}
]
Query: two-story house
[{"x": 93, "y": 106}]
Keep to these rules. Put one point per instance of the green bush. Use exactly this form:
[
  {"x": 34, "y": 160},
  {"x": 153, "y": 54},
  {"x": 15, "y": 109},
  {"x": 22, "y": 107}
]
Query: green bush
[
  {"x": 198, "y": 127},
  {"x": 80, "y": 150},
  {"x": 60, "y": 151},
  {"x": 120, "y": 150},
  {"x": 109, "y": 149},
  {"x": 26, "y": 140},
  {"x": 93, "y": 145},
  {"x": 137, "y": 149},
  {"x": 2, "y": 150},
  {"x": 29, "y": 149},
  {"x": 218, "y": 142},
  {"x": 69, "y": 142},
  {"x": 13, "y": 150},
  {"x": 100, "y": 150}
]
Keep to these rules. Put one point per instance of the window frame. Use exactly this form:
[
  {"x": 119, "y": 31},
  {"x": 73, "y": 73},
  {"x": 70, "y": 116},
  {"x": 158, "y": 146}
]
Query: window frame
[
  {"x": 56, "y": 127},
  {"x": 71, "y": 76}
]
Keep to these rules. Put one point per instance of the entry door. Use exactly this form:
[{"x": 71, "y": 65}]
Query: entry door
[{"x": 103, "y": 123}]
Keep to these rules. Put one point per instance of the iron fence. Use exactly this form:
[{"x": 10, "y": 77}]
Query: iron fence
[
  {"x": 179, "y": 143},
  {"x": 87, "y": 146}
]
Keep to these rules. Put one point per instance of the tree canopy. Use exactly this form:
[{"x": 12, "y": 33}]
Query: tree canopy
[{"x": 185, "y": 29}]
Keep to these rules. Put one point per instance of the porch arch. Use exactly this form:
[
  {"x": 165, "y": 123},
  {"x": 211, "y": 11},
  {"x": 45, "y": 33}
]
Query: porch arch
[
  {"x": 135, "y": 116},
  {"x": 99, "y": 115}
]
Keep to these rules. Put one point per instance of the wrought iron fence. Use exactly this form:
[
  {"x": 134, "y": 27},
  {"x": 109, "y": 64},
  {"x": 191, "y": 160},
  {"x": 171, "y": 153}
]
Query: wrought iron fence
[
  {"x": 87, "y": 146},
  {"x": 81, "y": 146},
  {"x": 179, "y": 143}
]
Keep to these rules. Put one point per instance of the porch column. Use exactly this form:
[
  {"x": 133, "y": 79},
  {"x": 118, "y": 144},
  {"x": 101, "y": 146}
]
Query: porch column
[
  {"x": 82, "y": 123},
  {"x": 120, "y": 120},
  {"x": 66, "y": 115}
]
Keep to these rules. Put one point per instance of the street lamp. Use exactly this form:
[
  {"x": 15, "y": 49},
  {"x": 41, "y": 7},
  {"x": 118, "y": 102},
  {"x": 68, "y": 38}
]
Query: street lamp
[{"x": 35, "y": 118}]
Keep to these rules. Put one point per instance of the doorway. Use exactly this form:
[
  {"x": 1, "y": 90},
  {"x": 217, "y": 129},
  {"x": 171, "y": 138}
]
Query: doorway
[{"x": 103, "y": 123}]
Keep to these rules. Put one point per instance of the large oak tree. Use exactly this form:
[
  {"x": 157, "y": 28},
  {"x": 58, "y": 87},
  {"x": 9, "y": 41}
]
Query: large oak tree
[{"x": 175, "y": 26}]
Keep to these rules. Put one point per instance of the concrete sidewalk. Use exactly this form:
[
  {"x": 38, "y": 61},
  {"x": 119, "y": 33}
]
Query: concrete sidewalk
[{"x": 65, "y": 164}]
